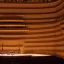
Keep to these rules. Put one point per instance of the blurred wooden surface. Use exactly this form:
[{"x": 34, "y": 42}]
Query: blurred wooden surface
[{"x": 36, "y": 27}]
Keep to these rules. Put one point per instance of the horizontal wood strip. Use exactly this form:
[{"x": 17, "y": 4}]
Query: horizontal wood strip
[
  {"x": 44, "y": 39},
  {"x": 44, "y": 44},
  {"x": 32, "y": 16},
  {"x": 43, "y": 27},
  {"x": 41, "y": 37},
  {"x": 41, "y": 11},
  {"x": 25, "y": 36},
  {"x": 44, "y": 16},
  {"x": 54, "y": 4},
  {"x": 30, "y": 46},
  {"x": 11, "y": 46},
  {"x": 39, "y": 48},
  {"x": 60, "y": 40},
  {"x": 44, "y": 30}
]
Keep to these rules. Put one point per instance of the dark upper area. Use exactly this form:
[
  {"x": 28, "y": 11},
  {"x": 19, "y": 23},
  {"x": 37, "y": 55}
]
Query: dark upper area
[{"x": 27, "y": 1}]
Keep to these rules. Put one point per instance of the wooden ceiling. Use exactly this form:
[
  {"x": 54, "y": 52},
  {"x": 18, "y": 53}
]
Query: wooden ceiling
[{"x": 36, "y": 28}]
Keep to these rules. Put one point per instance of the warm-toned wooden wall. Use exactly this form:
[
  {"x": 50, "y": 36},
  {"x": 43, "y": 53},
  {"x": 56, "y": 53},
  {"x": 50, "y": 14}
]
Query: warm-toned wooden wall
[{"x": 44, "y": 23}]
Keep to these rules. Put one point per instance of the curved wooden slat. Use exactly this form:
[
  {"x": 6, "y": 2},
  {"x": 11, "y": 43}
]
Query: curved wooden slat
[{"x": 53, "y": 4}]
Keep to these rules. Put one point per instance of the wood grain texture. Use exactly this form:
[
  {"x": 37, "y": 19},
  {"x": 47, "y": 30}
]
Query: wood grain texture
[{"x": 37, "y": 27}]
